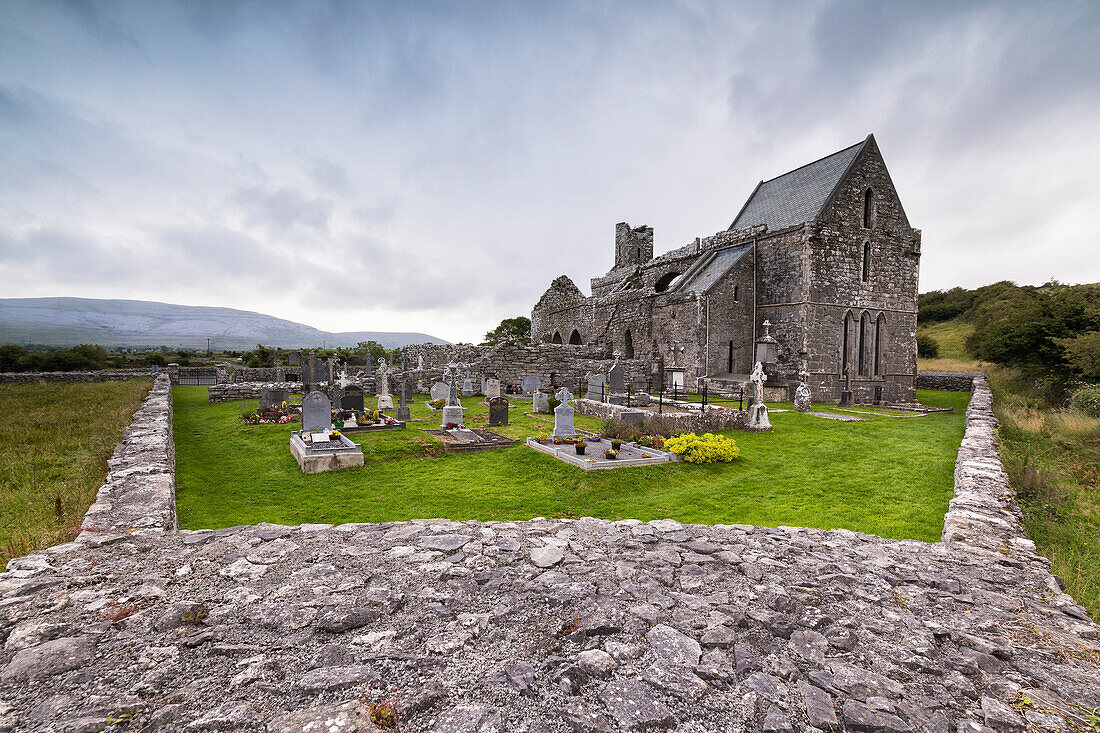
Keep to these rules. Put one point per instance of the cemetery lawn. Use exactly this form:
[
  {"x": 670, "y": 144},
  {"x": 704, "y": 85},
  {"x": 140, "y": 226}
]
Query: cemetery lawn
[
  {"x": 889, "y": 476},
  {"x": 55, "y": 440}
]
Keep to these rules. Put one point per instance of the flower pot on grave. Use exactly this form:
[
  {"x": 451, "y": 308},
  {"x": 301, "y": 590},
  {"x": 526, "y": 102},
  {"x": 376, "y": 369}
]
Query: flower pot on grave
[{"x": 580, "y": 449}]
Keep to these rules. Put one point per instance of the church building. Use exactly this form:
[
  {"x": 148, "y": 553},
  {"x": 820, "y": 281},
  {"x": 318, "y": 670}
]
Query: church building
[{"x": 815, "y": 277}]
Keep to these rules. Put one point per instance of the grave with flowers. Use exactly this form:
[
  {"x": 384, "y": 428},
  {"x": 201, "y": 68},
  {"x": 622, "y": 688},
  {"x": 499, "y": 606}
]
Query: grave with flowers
[{"x": 319, "y": 446}]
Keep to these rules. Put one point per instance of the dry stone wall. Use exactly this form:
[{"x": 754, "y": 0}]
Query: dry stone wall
[
  {"x": 103, "y": 375},
  {"x": 544, "y": 625},
  {"x": 949, "y": 381},
  {"x": 251, "y": 390}
]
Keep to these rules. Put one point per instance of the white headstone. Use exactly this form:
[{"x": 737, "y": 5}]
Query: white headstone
[
  {"x": 530, "y": 383},
  {"x": 492, "y": 388},
  {"x": 440, "y": 390},
  {"x": 385, "y": 402},
  {"x": 541, "y": 402},
  {"x": 563, "y": 415}
]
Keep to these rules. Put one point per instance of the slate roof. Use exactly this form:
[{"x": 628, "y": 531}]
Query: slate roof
[
  {"x": 797, "y": 196},
  {"x": 704, "y": 277}
]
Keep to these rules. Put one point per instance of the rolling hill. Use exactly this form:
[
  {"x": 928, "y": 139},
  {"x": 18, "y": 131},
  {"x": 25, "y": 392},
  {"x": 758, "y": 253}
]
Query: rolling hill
[{"x": 70, "y": 321}]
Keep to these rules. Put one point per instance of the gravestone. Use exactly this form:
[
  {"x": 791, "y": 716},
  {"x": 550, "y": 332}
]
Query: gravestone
[
  {"x": 563, "y": 415},
  {"x": 491, "y": 388},
  {"x": 382, "y": 380},
  {"x": 617, "y": 383},
  {"x": 640, "y": 385},
  {"x": 758, "y": 411},
  {"x": 385, "y": 402},
  {"x": 352, "y": 399},
  {"x": 467, "y": 387},
  {"x": 802, "y": 398},
  {"x": 596, "y": 390},
  {"x": 530, "y": 384},
  {"x": 313, "y": 372},
  {"x": 541, "y": 402},
  {"x": 440, "y": 390},
  {"x": 403, "y": 413},
  {"x": 294, "y": 359},
  {"x": 316, "y": 413},
  {"x": 498, "y": 412},
  {"x": 272, "y": 397}
]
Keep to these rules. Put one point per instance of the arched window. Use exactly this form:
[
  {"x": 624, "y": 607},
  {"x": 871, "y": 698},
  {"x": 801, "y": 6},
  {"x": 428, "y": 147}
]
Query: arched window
[
  {"x": 868, "y": 209},
  {"x": 628, "y": 345},
  {"x": 880, "y": 345},
  {"x": 666, "y": 280},
  {"x": 575, "y": 338},
  {"x": 866, "y": 261},
  {"x": 846, "y": 347},
  {"x": 864, "y": 336},
  {"x": 557, "y": 338}
]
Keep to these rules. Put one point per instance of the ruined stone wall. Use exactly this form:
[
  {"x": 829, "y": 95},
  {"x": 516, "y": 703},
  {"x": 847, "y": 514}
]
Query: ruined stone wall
[
  {"x": 103, "y": 375},
  {"x": 728, "y": 319},
  {"x": 251, "y": 390},
  {"x": 949, "y": 381},
  {"x": 724, "y": 419},
  {"x": 438, "y": 355}
]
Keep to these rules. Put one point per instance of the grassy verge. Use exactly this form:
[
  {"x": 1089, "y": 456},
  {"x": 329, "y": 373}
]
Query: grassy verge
[
  {"x": 887, "y": 476},
  {"x": 1053, "y": 457},
  {"x": 55, "y": 440}
]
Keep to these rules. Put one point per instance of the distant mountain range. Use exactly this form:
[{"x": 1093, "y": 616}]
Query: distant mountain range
[{"x": 70, "y": 321}]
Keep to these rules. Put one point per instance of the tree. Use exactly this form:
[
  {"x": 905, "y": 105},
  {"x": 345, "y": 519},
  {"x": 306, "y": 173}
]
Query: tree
[
  {"x": 10, "y": 357},
  {"x": 515, "y": 329},
  {"x": 261, "y": 356},
  {"x": 1083, "y": 353}
]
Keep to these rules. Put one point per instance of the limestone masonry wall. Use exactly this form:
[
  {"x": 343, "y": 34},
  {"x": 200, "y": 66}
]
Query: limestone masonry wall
[
  {"x": 104, "y": 375},
  {"x": 140, "y": 490},
  {"x": 543, "y": 626},
  {"x": 251, "y": 390},
  {"x": 950, "y": 381}
]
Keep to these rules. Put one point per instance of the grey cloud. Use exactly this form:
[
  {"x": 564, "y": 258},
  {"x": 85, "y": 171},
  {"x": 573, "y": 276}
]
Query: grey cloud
[{"x": 277, "y": 210}]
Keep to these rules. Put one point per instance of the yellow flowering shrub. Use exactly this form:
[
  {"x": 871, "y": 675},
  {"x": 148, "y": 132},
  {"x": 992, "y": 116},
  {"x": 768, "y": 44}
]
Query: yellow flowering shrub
[{"x": 705, "y": 448}]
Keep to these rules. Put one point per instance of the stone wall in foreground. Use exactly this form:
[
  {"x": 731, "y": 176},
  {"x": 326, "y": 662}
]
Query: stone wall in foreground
[
  {"x": 548, "y": 625},
  {"x": 103, "y": 375},
  {"x": 724, "y": 419}
]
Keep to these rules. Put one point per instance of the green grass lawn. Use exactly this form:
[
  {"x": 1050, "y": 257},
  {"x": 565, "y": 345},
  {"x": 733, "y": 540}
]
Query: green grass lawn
[
  {"x": 888, "y": 476},
  {"x": 55, "y": 439}
]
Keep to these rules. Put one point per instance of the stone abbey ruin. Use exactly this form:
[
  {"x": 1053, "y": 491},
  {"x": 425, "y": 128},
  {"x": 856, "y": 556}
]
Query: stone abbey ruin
[
  {"x": 824, "y": 253},
  {"x": 589, "y": 624}
]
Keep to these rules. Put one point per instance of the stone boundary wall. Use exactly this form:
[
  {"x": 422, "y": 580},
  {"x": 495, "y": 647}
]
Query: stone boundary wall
[
  {"x": 949, "y": 381},
  {"x": 251, "y": 390},
  {"x": 139, "y": 492},
  {"x": 103, "y": 375},
  {"x": 983, "y": 512},
  {"x": 726, "y": 419}
]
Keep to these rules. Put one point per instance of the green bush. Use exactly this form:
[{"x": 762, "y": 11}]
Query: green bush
[
  {"x": 1086, "y": 398},
  {"x": 705, "y": 448},
  {"x": 927, "y": 347}
]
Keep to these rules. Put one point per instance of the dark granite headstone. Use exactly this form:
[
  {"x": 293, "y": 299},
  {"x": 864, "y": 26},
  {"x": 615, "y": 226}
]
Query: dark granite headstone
[
  {"x": 615, "y": 379},
  {"x": 498, "y": 412},
  {"x": 352, "y": 399},
  {"x": 272, "y": 397},
  {"x": 316, "y": 412}
]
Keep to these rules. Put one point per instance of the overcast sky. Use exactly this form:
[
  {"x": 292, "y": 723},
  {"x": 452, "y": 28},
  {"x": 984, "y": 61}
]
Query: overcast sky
[{"x": 433, "y": 166}]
